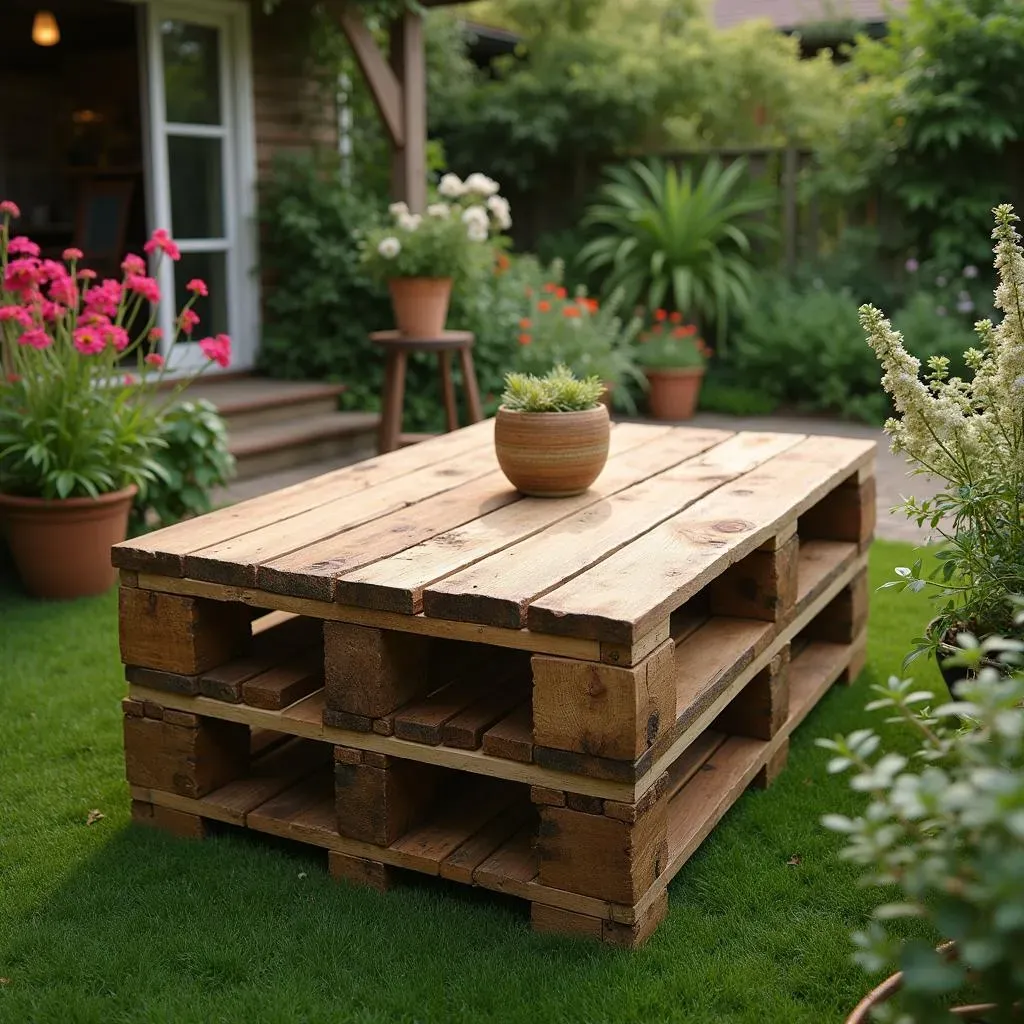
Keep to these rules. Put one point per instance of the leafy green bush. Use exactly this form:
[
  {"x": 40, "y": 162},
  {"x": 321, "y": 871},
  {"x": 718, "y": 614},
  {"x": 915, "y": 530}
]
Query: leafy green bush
[
  {"x": 668, "y": 237},
  {"x": 194, "y": 459},
  {"x": 803, "y": 346},
  {"x": 559, "y": 390},
  {"x": 321, "y": 304}
]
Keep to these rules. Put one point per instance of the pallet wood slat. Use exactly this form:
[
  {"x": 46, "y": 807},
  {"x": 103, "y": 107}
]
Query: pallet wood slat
[{"x": 414, "y": 667}]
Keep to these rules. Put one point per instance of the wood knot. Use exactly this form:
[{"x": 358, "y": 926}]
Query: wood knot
[{"x": 731, "y": 526}]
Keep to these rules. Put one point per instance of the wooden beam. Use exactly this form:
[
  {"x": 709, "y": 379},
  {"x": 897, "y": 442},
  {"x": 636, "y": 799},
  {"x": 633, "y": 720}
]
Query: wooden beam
[
  {"x": 408, "y": 64},
  {"x": 382, "y": 80}
]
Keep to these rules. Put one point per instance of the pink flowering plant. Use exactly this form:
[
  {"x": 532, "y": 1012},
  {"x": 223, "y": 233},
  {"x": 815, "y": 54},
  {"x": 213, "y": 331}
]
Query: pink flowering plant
[{"x": 78, "y": 411}]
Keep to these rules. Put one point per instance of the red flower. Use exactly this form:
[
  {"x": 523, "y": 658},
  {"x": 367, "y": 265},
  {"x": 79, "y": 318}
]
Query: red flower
[
  {"x": 22, "y": 246},
  {"x": 559, "y": 293},
  {"x": 571, "y": 312},
  {"x": 550, "y": 288},
  {"x": 544, "y": 306},
  {"x": 142, "y": 285},
  {"x": 525, "y": 323},
  {"x": 675, "y": 318},
  {"x": 525, "y": 339},
  {"x": 188, "y": 320},
  {"x": 217, "y": 349},
  {"x": 591, "y": 304},
  {"x": 155, "y": 334},
  {"x": 680, "y": 332},
  {"x": 660, "y": 315},
  {"x": 690, "y": 330},
  {"x": 133, "y": 264},
  {"x": 155, "y": 359}
]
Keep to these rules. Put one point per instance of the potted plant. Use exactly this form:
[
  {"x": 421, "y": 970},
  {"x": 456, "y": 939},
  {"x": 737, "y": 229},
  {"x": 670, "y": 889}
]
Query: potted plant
[
  {"x": 421, "y": 255},
  {"x": 942, "y": 838},
  {"x": 551, "y": 433},
  {"x": 78, "y": 435},
  {"x": 673, "y": 358},
  {"x": 969, "y": 434},
  {"x": 577, "y": 331}
]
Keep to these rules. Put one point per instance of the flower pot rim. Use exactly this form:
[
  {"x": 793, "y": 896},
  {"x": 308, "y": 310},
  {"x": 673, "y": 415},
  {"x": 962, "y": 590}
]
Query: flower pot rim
[
  {"x": 419, "y": 277},
  {"x": 26, "y": 502},
  {"x": 599, "y": 407},
  {"x": 675, "y": 371}
]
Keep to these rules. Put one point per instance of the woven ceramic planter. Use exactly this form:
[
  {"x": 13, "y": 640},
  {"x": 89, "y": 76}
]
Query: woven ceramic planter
[
  {"x": 62, "y": 547},
  {"x": 552, "y": 454}
]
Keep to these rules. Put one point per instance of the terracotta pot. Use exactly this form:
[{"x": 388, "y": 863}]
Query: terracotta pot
[
  {"x": 420, "y": 305},
  {"x": 552, "y": 454},
  {"x": 884, "y": 992},
  {"x": 62, "y": 547},
  {"x": 673, "y": 392}
]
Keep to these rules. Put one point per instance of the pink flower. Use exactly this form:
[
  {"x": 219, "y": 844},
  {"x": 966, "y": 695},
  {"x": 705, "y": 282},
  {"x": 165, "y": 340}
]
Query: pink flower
[
  {"x": 22, "y": 246},
  {"x": 156, "y": 334},
  {"x": 197, "y": 286},
  {"x": 88, "y": 340},
  {"x": 188, "y": 320},
  {"x": 129, "y": 380},
  {"x": 37, "y": 338},
  {"x": 73, "y": 254},
  {"x": 104, "y": 298},
  {"x": 52, "y": 310},
  {"x": 144, "y": 286},
  {"x": 116, "y": 336},
  {"x": 133, "y": 264},
  {"x": 22, "y": 275},
  {"x": 19, "y": 314},
  {"x": 87, "y": 275},
  {"x": 162, "y": 240},
  {"x": 63, "y": 290},
  {"x": 51, "y": 270},
  {"x": 217, "y": 349},
  {"x": 155, "y": 359},
  {"x": 9, "y": 209}
]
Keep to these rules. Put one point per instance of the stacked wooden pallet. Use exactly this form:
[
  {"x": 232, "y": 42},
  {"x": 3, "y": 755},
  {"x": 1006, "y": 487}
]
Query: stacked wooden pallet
[{"x": 409, "y": 664}]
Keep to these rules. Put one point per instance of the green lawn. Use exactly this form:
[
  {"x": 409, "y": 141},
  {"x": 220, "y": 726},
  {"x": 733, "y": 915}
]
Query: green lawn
[{"x": 111, "y": 922}]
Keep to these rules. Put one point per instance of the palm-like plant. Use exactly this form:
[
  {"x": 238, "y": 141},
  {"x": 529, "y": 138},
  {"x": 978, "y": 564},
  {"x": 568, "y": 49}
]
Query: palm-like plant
[{"x": 669, "y": 238}]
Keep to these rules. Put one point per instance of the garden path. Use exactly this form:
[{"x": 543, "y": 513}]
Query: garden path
[{"x": 892, "y": 475}]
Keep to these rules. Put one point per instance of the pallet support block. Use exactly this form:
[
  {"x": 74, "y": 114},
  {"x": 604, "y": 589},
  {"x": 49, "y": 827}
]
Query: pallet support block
[
  {"x": 359, "y": 871},
  {"x": 761, "y": 586},
  {"x": 848, "y": 513},
  {"x": 596, "y": 854},
  {"x": 379, "y": 798},
  {"x": 603, "y": 710},
  {"x": 372, "y": 672},
  {"x": 761, "y": 708},
  {"x": 167, "y": 819},
  {"x": 178, "y": 752},
  {"x": 845, "y": 617},
  {"x": 181, "y": 635},
  {"x": 772, "y": 768}
]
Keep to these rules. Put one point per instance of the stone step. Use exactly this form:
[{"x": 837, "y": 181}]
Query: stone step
[
  {"x": 273, "y": 447},
  {"x": 246, "y": 402}
]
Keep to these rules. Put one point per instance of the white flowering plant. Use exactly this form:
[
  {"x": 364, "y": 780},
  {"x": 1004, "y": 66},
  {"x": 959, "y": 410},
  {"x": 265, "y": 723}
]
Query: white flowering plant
[
  {"x": 442, "y": 241},
  {"x": 970, "y": 435}
]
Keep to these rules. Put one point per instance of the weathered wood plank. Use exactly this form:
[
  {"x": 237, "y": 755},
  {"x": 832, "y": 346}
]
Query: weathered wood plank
[
  {"x": 162, "y": 551},
  {"x": 397, "y": 583},
  {"x": 624, "y": 595},
  {"x": 498, "y": 589},
  {"x": 512, "y": 737}
]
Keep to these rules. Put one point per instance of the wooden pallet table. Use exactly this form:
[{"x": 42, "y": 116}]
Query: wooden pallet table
[{"x": 410, "y": 665}]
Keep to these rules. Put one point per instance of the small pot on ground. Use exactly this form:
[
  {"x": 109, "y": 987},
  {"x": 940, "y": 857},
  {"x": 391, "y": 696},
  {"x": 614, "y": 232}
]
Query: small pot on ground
[
  {"x": 954, "y": 674},
  {"x": 62, "y": 547},
  {"x": 420, "y": 305},
  {"x": 673, "y": 393}
]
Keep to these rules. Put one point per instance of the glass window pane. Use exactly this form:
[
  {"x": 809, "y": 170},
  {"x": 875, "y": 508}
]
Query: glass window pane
[
  {"x": 196, "y": 187},
  {"x": 210, "y": 267},
  {"x": 191, "y": 72}
]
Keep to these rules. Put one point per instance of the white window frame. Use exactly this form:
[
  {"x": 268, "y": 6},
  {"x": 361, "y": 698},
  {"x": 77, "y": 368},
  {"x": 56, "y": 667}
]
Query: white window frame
[{"x": 231, "y": 18}]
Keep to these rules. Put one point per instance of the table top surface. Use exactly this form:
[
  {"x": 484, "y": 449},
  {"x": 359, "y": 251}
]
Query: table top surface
[{"x": 435, "y": 530}]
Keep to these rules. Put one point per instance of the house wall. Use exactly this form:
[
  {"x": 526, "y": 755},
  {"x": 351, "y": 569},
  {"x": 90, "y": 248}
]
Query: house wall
[{"x": 294, "y": 104}]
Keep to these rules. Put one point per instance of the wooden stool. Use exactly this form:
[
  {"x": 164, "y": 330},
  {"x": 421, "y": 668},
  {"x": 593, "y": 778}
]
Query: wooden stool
[{"x": 397, "y": 347}]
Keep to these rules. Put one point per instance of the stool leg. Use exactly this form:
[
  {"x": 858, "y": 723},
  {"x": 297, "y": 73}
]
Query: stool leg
[
  {"x": 394, "y": 394},
  {"x": 444, "y": 362},
  {"x": 469, "y": 382}
]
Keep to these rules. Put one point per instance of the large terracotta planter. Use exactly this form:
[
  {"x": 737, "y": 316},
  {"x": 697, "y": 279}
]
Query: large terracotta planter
[
  {"x": 62, "y": 548},
  {"x": 420, "y": 305},
  {"x": 552, "y": 454},
  {"x": 673, "y": 392}
]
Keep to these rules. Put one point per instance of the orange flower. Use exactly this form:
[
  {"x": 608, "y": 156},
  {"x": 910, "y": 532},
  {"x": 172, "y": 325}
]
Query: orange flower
[
  {"x": 544, "y": 306},
  {"x": 559, "y": 293},
  {"x": 679, "y": 332},
  {"x": 689, "y": 330},
  {"x": 591, "y": 304},
  {"x": 525, "y": 323},
  {"x": 551, "y": 288},
  {"x": 660, "y": 315},
  {"x": 503, "y": 263},
  {"x": 571, "y": 312},
  {"x": 525, "y": 339},
  {"x": 675, "y": 318}
]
